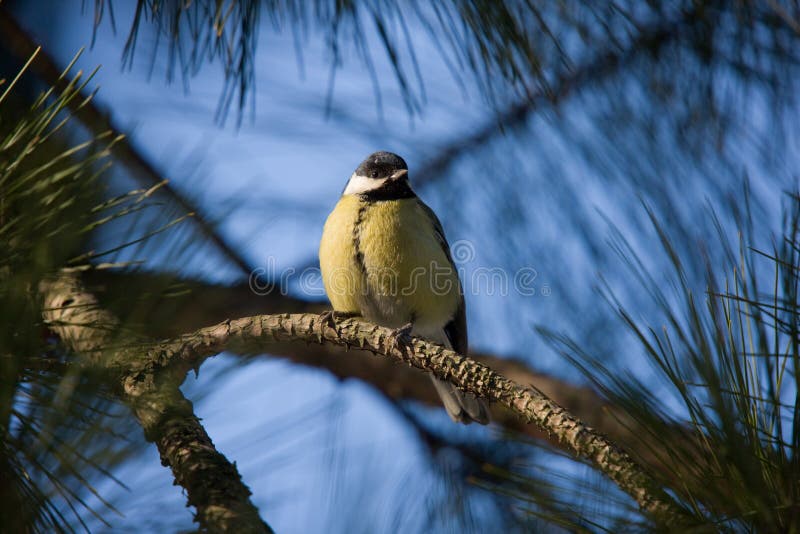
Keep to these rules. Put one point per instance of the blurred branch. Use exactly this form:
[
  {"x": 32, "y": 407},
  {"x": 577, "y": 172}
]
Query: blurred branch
[
  {"x": 213, "y": 484},
  {"x": 253, "y": 334},
  {"x": 22, "y": 45},
  {"x": 651, "y": 39}
]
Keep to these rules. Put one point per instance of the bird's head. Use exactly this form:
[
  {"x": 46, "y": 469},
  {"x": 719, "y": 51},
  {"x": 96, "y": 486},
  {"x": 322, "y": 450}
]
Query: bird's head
[{"x": 377, "y": 171}]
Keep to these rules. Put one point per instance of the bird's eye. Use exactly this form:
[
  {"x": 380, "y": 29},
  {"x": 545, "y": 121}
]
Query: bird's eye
[{"x": 374, "y": 174}]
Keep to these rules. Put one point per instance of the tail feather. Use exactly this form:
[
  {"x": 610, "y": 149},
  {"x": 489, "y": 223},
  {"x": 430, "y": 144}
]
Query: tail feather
[{"x": 461, "y": 407}]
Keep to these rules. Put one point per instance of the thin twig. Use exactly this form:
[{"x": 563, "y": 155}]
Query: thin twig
[{"x": 649, "y": 41}]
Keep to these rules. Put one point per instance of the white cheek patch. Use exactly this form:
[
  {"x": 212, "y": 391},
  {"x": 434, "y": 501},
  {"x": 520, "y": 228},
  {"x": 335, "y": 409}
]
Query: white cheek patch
[{"x": 361, "y": 184}]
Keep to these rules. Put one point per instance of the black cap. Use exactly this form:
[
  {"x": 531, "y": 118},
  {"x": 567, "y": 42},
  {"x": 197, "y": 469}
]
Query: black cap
[{"x": 381, "y": 165}]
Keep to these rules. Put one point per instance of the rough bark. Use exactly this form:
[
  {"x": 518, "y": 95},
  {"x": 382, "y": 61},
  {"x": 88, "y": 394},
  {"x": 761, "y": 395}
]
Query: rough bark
[
  {"x": 212, "y": 483},
  {"x": 255, "y": 334},
  {"x": 194, "y": 304},
  {"x": 150, "y": 376}
]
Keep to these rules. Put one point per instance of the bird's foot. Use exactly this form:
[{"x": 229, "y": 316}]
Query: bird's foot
[
  {"x": 400, "y": 338},
  {"x": 329, "y": 318}
]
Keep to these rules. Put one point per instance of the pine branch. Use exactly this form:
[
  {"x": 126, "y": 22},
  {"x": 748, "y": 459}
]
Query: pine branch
[
  {"x": 256, "y": 334},
  {"x": 212, "y": 483},
  {"x": 22, "y": 45},
  {"x": 200, "y": 303}
]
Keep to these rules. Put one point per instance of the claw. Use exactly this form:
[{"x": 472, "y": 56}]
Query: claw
[
  {"x": 400, "y": 337},
  {"x": 325, "y": 318},
  {"x": 329, "y": 318},
  {"x": 196, "y": 369}
]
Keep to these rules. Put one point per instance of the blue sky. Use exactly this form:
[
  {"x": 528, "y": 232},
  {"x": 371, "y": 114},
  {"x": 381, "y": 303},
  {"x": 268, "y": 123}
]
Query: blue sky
[{"x": 272, "y": 181}]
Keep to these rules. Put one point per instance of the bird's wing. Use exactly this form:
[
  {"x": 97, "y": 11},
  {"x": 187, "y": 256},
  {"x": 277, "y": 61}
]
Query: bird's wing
[
  {"x": 462, "y": 407},
  {"x": 438, "y": 230},
  {"x": 456, "y": 328}
]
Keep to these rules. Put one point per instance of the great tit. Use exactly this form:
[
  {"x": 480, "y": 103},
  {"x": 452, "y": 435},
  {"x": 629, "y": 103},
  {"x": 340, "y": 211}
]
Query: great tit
[{"x": 384, "y": 256}]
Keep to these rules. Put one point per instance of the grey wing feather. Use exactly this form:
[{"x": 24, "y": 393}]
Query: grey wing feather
[
  {"x": 456, "y": 329},
  {"x": 437, "y": 227},
  {"x": 461, "y": 407}
]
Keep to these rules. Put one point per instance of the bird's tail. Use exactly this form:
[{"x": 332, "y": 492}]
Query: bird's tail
[{"x": 461, "y": 407}]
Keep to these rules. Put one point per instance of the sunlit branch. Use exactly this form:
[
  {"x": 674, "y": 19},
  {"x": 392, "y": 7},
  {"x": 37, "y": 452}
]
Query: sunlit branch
[
  {"x": 195, "y": 304},
  {"x": 212, "y": 483},
  {"x": 255, "y": 334}
]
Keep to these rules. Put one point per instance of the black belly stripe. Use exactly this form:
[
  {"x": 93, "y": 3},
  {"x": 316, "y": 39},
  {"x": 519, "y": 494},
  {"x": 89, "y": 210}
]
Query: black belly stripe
[
  {"x": 359, "y": 253},
  {"x": 359, "y": 256}
]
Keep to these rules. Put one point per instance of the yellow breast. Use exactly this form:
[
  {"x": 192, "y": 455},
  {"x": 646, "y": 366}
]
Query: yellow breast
[
  {"x": 382, "y": 260},
  {"x": 337, "y": 256}
]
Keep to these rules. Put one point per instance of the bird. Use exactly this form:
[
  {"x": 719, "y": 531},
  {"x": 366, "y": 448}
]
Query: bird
[{"x": 384, "y": 257}]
